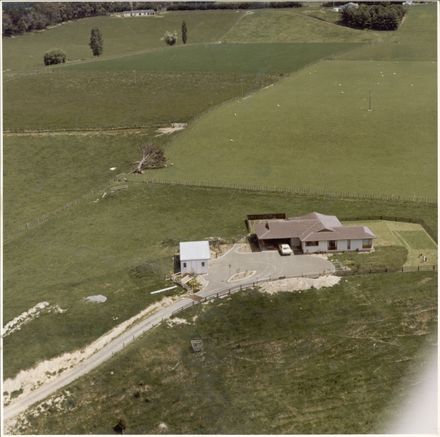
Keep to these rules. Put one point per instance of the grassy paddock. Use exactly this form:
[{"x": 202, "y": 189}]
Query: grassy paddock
[
  {"x": 326, "y": 371},
  {"x": 121, "y": 36},
  {"x": 221, "y": 58},
  {"x": 415, "y": 40},
  {"x": 314, "y": 130},
  {"x": 62, "y": 169},
  {"x": 111, "y": 99},
  {"x": 291, "y": 25},
  {"x": 95, "y": 246}
]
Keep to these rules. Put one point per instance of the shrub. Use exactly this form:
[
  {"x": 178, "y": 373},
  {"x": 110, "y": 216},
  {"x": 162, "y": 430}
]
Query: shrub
[
  {"x": 170, "y": 38},
  {"x": 55, "y": 56},
  {"x": 96, "y": 42}
]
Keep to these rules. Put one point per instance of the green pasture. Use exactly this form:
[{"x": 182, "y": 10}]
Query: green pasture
[
  {"x": 415, "y": 40},
  {"x": 221, "y": 58},
  {"x": 62, "y": 169},
  {"x": 93, "y": 248},
  {"x": 295, "y": 25},
  {"x": 121, "y": 36},
  {"x": 314, "y": 130},
  {"x": 410, "y": 236},
  {"x": 330, "y": 361},
  {"x": 77, "y": 100}
]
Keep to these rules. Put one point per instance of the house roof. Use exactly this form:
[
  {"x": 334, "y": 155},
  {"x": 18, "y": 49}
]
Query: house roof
[
  {"x": 329, "y": 221},
  {"x": 342, "y": 233},
  {"x": 310, "y": 227},
  {"x": 192, "y": 250}
]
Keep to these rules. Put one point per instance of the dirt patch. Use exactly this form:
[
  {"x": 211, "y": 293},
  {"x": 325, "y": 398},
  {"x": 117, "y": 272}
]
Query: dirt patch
[
  {"x": 98, "y": 298},
  {"x": 299, "y": 284},
  {"x": 174, "y": 127},
  {"x": 28, "y": 380},
  {"x": 177, "y": 321},
  {"x": 29, "y": 315}
]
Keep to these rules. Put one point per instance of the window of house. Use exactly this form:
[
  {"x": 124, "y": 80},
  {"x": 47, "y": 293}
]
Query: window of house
[
  {"x": 332, "y": 245},
  {"x": 203, "y": 263},
  {"x": 312, "y": 243},
  {"x": 367, "y": 244},
  {"x": 184, "y": 264},
  {"x": 348, "y": 244}
]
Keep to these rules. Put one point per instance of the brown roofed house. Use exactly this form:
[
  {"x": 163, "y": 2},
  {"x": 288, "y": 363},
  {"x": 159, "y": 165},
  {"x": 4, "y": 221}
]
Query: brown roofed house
[{"x": 313, "y": 233}]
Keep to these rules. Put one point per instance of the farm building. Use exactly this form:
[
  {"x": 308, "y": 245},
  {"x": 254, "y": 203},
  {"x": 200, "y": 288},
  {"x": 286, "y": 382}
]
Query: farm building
[
  {"x": 194, "y": 257},
  {"x": 139, "y": 13},
  {"x": 347, "y": 5},
  {"x": 313, "y": 233}
]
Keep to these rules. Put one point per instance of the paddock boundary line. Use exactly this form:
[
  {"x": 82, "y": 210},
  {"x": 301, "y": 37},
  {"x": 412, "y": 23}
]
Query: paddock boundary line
[
  {"x": 298, "y": 191},
  {"x": 49, "y": 215},
  {"x": 99, "y": 192}
]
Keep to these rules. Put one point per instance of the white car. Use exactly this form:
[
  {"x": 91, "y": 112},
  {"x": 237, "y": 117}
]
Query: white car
[{"x": 285, "y": 249}]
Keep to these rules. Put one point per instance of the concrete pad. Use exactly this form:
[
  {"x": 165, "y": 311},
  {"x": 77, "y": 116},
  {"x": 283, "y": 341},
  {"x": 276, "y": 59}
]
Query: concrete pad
[{"x": 266, "y": 264}]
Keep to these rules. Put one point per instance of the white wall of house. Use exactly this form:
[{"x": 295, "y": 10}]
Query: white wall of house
[
  {"x": 196, "y": 266},
  {"x": 321, "y": 247},
  {"x": 341, "y": 245}
]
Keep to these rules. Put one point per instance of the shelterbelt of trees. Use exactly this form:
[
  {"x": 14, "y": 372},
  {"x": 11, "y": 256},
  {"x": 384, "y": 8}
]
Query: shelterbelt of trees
[
  {"x": 24, "y": 17},
  {"x": 380, "y": 16}
]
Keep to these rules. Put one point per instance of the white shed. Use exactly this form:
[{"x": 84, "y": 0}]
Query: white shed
[{"x": 194, "y": 257}]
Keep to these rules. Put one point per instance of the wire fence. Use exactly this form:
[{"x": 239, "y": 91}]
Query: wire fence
[
  {"x": 227, "y": 291},
  {"x": 306, "y": 191},
  {"x": 384, "y": 269},
  {"x": 45, "y": 217}
]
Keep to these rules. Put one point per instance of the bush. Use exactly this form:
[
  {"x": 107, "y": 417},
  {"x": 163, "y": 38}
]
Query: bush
[
  {"x": 55, "y": 56},
  {"x": 170, "y": 38}
]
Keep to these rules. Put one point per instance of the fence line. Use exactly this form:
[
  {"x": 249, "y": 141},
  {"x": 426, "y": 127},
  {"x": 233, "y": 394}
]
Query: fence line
[
  {"x": 299, "y": 191},
  {"x": 225, "y": 291},
  {"x": 45, "y": 217}
]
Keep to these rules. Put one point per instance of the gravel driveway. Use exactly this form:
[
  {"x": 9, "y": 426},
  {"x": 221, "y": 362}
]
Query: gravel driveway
[{"x": 238, "y": 267}]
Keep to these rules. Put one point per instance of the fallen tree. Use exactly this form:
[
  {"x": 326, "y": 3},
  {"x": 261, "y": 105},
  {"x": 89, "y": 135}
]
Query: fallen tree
[{"x": 152, "y": 157}]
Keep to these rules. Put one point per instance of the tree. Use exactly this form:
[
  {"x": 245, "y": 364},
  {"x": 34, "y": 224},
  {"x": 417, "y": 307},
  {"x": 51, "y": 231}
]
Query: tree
[
  {"x": 8, "y": 25},
  {"x": 184, "y": 33},
  {"x": 170, "y": 38},
  {"x": 96, "y": 42},
  {"x": 152, "y": 157},
  {"x": 54, "y": 56}
]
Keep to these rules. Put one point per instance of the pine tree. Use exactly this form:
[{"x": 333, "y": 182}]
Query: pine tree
[
  {"x": 184, "y": 33},
  {"x": 96, "y": 42}
]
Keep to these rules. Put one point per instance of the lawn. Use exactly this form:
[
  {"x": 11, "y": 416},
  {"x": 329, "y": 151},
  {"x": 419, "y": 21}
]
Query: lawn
[
  {"x": 94, "y": 247},
  {"x": 313, "y": 130},
  {"x": 410, "y": 236},
  {"x": 315, "y": 368},
  {"x": 383, "y": 257},
  {"x": 121, "y": 36},
  {"x": 221, "y": 58}
]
